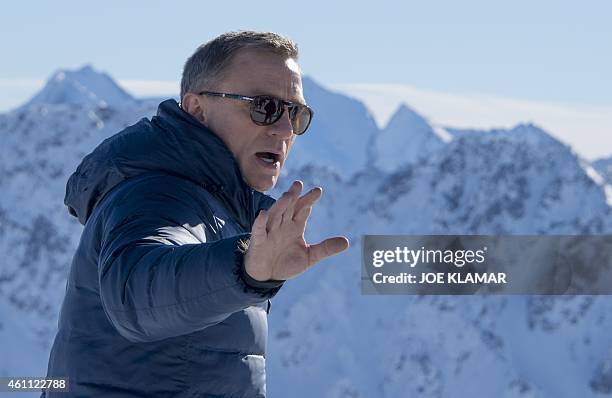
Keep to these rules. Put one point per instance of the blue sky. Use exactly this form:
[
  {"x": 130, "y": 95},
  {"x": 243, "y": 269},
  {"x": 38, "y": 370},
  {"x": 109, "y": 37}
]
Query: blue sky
[{"x": 546, "y": 52}]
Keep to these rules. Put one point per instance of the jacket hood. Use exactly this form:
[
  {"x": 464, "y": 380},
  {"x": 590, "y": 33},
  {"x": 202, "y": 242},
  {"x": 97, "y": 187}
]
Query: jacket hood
[{"x": 172, "y": 142}]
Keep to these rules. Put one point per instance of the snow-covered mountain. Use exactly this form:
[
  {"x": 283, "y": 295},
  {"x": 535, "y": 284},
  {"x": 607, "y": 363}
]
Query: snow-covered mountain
[
  {"x": 519, "y": 181},
  {"x": 326, "y": 339},
  {"x": 340, "y": 135},
  {"x": 407, "y": 138},
  {"x": 80, "y": 87}
]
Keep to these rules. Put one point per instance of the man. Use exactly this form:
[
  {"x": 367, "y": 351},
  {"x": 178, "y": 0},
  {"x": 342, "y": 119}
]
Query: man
[{"x": 170, "y": 286}]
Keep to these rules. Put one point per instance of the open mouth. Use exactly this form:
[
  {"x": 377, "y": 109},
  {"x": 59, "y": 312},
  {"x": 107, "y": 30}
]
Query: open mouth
[{"x": 268, "y": 157}]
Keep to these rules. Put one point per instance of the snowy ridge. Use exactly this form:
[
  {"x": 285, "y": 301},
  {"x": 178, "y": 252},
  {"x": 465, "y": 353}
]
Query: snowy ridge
[
  {"x": 325, "y": 338},
  {"x": 343, "y": 129},
  {"x": 407, "y": 138},
  {"x": 82, "y": 86}
]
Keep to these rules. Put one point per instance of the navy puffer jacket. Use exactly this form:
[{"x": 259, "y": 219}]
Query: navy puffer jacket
[{"x": 157, "y": 302}]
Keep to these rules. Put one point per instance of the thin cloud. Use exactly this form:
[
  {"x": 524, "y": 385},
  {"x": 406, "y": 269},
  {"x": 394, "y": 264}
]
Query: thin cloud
[{"x": 148, "y": 88}]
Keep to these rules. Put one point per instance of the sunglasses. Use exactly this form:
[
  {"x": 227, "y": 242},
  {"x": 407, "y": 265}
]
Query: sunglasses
[{"x": 267, "y": 110}]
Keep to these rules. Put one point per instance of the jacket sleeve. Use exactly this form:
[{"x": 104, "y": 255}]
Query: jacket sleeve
[{"x": 157, "y": 280}]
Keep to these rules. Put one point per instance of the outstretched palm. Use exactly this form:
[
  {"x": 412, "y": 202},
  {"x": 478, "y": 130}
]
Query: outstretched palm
[{"x": 277, "y": 249}]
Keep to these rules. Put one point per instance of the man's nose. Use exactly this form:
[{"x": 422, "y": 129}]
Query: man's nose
[{"x": 282, "y": 128}]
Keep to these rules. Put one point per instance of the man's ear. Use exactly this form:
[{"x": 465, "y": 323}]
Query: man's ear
[{"x": 194, "y": 105}]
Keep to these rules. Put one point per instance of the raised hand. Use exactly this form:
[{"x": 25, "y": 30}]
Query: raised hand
[{"x": 277, "y": 249}]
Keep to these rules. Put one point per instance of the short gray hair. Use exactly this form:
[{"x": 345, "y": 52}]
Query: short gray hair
[{"x": 211, "y": 59}]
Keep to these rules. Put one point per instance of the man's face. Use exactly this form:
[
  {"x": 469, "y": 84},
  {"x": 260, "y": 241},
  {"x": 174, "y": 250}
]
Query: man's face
[{"x": 253, "y": 73}]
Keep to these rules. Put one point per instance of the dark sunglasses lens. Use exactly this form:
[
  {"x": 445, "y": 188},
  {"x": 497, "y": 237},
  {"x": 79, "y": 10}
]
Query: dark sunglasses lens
[
  {"x": 266, "y": 110},
  {"x": 300, "y": 119}
]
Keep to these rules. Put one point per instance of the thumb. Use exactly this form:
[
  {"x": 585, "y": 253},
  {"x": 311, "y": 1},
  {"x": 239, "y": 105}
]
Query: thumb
[{"x": 327, "y": 248}]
